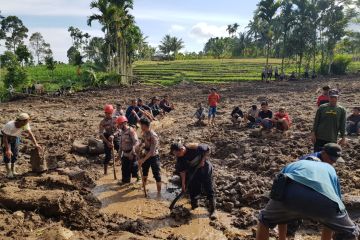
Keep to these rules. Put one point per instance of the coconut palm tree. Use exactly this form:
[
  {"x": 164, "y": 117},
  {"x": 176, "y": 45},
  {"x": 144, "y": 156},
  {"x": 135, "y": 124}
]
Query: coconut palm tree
[
  {"x": 266, "y": 12},
  {"x": 103, "y": 18}
]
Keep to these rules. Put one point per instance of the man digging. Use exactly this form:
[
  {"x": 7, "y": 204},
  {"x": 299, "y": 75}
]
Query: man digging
[
  {"x": 10, "y": 141},
  {"x": 196, "y": 172}
]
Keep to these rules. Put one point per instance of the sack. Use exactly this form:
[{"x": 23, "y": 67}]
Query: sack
[{"x": 278, "y": 188}]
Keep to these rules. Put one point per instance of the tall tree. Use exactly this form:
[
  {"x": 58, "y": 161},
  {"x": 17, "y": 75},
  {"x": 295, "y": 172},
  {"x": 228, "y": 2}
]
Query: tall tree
[
  {"x": 166, "y": 45},
  {"x": 104, "y": 18},
  {"x": 39, "y": 47},
  {"x": 232, "y": 29},
  {"x": 286, "y": 19},
  {"x": 14, "y": 32},
  {"x": 266, "y": 12}
]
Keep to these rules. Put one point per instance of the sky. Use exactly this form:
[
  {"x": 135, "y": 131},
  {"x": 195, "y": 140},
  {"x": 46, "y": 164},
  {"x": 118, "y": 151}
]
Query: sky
[{"x": 195, "y": 21}]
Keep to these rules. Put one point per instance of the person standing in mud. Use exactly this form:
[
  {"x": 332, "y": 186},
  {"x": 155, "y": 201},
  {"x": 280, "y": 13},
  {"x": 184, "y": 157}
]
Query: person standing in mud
[
  {"x": 10, "y": 141},
  {"x": 313, "y": 180},
  {"x": 151, "y": 159},
  {"x": 195, "y": 171},
  {"x": 107, "y": 128},
  {"x": 128, "y": 143},
  {"x": 330, "y": 120},
  {"x": 213, "y": 101}
]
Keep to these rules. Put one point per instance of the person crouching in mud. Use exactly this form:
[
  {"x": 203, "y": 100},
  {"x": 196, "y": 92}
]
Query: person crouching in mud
[{"x": 193, "y": 160}]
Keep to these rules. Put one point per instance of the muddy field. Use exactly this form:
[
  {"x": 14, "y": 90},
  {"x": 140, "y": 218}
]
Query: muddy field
[{"x": 73, "y": 200}]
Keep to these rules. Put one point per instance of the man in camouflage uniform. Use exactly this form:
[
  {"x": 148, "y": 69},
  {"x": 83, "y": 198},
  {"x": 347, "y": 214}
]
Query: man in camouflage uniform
[
  {"x": 128, "y": 144},
  {"x": 152, "y": 159},
  {"x": 106, "y": 130}
]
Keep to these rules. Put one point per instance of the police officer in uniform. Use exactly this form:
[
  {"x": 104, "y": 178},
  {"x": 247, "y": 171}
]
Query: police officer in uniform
[
  {"x": 151, "y": 158},
  {"x": 129, "y": 141},
  {"x": 106, "y": 129}
]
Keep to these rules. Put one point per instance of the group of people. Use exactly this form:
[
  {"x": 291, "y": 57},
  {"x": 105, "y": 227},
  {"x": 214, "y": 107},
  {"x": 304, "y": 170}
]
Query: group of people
[
  {"x": 307, "y": 188},
  {"x": 268, "y": 73},
  {"x": 118, "y": 132}
]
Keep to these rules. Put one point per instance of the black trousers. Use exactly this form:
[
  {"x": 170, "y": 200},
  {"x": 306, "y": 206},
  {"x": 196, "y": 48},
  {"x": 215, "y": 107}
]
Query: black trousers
[
  {"x": 154, "y": 163},
  {"x": 108, "y": 151},
  {"x": 202, "y": 180},
  {"x": 129, "y": 168}
]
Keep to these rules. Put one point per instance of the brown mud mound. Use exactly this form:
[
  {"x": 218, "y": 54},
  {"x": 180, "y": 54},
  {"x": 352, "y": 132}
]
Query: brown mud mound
[{"x": 48, "y": 203}]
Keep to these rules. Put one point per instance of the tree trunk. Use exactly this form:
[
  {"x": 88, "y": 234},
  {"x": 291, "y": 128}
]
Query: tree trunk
[
  {"x": 267, "y": 54},
  {"x": 283, "y": 52},
  {"x": 300, "y": 63},
  {"x": 109, "y": 50}
]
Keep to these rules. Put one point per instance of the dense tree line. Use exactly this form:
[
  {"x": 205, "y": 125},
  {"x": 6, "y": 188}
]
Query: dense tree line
[
  {"x": 13, "y": 33},
  {"x": 307, "y": 31}
]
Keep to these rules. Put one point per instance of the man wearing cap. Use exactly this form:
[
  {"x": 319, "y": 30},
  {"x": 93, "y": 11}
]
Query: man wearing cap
[
  {"x": 330, "y": 120},
  {"x": 107, "y": 128},
  {"x": 151, "y": 159},
  {"x": 311, "y": 191},
  {"x": 128, "y": 142},
  {"x": 194, "y": 166},
  {"x": 10, "y": 141}
]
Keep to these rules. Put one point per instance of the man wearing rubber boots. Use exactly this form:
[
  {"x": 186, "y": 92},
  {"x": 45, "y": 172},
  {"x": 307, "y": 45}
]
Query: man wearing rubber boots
[
  {"x": 127, "y": 149},
  {"x": 151, "y": 158},
  {"x": 106, "y": 129},
  {"x": 194, "y": 166},
  {"x": 10, "y": 141}
]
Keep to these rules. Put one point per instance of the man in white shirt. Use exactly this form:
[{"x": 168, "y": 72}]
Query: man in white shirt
[{"x": 10, "y": 141}]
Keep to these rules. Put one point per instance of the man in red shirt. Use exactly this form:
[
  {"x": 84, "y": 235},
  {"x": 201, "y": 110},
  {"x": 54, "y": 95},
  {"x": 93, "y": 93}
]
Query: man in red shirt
[
  {"x": 213, "y": 101},
  {"x": 282, "y": 120},
  {"x": 324, "y": 98}
]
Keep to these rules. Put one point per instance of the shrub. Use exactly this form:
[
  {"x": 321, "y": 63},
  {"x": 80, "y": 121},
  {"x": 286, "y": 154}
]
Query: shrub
[
  {"x": 16, "y": 76},
  {"x": 340, "y": 64}
]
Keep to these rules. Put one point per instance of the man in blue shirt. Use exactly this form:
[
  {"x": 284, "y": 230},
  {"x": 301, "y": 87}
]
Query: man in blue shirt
[{"x": 312, "y": 191}]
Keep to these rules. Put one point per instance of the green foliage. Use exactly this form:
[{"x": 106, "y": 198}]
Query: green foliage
[
  {"x": 71, "y": 54},
  {"x": 111, "y": 78},
  {"x": 340, "y": 64},
  {"x": 14, "y": 32},
  {"x": 50, "y": 64},
  {"x": 8, "y": 59},
  {"x": 171, "y": 45},
  {"x": 16, "y": 76},
  {"x": 23, "y": 54}
]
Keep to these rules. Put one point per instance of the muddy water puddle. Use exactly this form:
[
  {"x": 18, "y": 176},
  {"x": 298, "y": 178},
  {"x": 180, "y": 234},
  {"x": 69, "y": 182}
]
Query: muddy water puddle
[{"x": 129, "y": 200}]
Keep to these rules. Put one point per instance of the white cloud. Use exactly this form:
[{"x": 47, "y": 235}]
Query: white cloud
[
  {"x": 185, "y": 16},
  {"x": 47, "y": 7},
  {"x": 176, "y": 28},
  {"x": 203, "y": 31}
]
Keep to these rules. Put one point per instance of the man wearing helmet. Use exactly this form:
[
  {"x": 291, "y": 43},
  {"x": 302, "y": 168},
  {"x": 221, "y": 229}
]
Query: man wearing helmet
[
  {"x": 129, "y": 141},
  {"x": 106, "y": 129}
]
